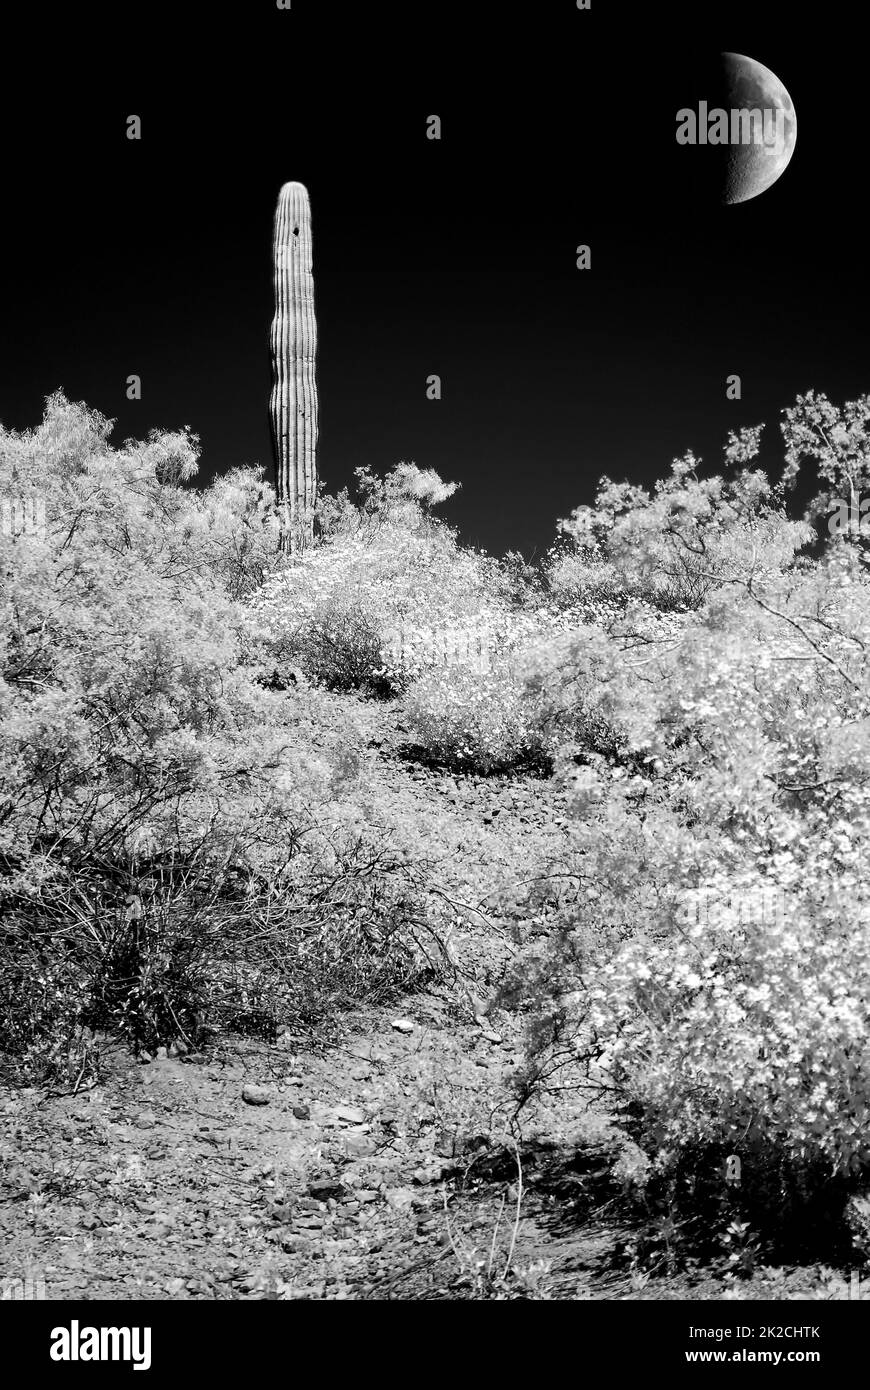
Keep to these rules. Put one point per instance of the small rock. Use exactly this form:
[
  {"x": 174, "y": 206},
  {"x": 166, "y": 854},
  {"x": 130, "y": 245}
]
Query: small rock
[
  {"x": 446, "y": 1143},
  {"x": 21, "y": 1180},
  {"x": 402, "y": 1025},
  {"x": 255, "y": 1095},
  {"x": 145, "y": 1120},
  {"x": 329, "y": 1188},
  {"x": 366, "y": 1194},
  {"x": 302, "y": 1112},
  {"x": 337, "y": 1247},
  {"x": 349, "y": 1115},
  {"x": 400, "y": 1198},
  {"x": 431, "y": 1172},
  {"x": 359, "y": 1146},
  {"x": 490, "y": 1036},
  {"x": 295, "y": 1245}
]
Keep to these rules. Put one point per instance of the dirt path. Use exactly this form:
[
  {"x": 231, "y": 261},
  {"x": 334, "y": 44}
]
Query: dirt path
[
  {"x": 371, "y": 1166},
  {"x": 367, "y": 1161},
  {"x": 166, "y": 1181}
]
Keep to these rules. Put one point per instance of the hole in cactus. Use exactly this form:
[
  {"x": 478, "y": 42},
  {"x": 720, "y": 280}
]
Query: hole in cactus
[{"x": 295, "y": 231}]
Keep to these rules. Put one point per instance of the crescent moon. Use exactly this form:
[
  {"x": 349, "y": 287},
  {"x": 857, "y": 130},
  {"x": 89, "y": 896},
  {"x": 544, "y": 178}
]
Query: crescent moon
[{"x": 752, "y": 168}]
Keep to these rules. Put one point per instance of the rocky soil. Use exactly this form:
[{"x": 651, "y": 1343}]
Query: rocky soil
[{"x": 372, "y": 1160}]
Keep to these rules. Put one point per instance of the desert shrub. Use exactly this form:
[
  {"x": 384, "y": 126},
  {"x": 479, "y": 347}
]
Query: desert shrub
[
  {"x": 524, "y": 581},
  {"x": 711, "y": 755},
  {"x": 731, "y": 1039},
  {"x": 475, "y": 720},
  {"x": 206, "y": 946},
  {"x": 270, "y": 893},
  {"x": 751, "y": 1041},
  {"x": 44, "y": 998},
  {"x": 117, "y": 664},
  {"x": 232, "y": 530},
  {"x": 577, "y": 576},
  {"x": 367, "y": 608},
  {"x": 402, "y": 498},
  {"x": 835, "y": 439},
  {"x": 132, "y": 734},
  {"x": 512, "y": 693},
  {"x": 682, "y": 543},
  {"x": 341, "y": 648}
]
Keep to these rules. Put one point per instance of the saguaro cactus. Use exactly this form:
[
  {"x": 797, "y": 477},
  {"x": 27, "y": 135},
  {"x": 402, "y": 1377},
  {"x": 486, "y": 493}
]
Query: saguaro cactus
[{"x": 293, "y": 402}]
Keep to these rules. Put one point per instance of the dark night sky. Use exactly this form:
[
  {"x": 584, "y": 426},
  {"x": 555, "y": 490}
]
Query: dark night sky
[{"x": 456, "y": 258}]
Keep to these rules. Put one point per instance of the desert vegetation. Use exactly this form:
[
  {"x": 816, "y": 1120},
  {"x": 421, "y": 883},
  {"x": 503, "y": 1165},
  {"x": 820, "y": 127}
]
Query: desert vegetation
[{"x": 210, "y": 745}]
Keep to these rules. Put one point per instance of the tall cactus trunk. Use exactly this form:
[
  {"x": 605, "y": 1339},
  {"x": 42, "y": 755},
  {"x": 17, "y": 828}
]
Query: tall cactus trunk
[{"x": 293, "y": 403}]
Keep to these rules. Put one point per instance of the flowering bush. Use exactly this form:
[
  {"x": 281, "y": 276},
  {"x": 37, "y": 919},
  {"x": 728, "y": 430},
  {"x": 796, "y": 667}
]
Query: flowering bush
[
  {"x": 117, "y": 651},
  {"x": 474, "y": 721},
  {"x": 715, "y": 746},
  {"x": 348, "y": 611},
  {"x": 727, "y": 1041},
  {"x": 753, "y": 1041},
  {"x": 136, "y": 751},
  {"x": 341, "y": 648}
]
